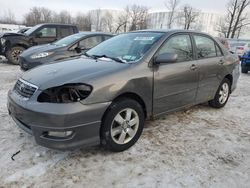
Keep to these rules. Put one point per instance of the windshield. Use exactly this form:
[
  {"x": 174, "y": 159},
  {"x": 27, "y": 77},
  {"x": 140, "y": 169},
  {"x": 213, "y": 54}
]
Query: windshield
[
  {"x": 126, "y": 47},
  {"x": 68, "y": 40},
  {"x": 31, "y": 30}
]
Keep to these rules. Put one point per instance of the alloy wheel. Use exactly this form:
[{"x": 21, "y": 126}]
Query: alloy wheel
[
  {"x": 224, "y": 92},
  {"x": 124, "y": 126}
]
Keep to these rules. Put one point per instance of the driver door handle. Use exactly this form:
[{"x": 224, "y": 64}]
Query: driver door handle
[{"x": 193, "y": 67}]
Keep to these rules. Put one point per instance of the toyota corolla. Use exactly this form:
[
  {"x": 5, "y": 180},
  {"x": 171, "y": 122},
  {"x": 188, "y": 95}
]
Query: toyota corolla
[{"x": 104, "y": 96}]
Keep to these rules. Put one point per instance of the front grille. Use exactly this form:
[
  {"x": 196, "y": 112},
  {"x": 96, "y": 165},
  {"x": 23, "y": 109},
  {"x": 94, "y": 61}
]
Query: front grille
[{"x": 24, "y": 88}]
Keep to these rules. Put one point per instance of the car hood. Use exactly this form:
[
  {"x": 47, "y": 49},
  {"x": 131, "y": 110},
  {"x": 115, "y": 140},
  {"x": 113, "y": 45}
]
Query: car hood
[
  {"x": 41, "y": 48},
  {"x": 12, "y": 34},
  {"x": 77, "y": 70}
]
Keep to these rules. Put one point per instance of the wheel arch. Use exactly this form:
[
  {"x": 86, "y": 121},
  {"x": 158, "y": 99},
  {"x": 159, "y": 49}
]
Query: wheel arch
[
  {"x": 230, "y": 78},
  {"x": 129, "y": 95}
]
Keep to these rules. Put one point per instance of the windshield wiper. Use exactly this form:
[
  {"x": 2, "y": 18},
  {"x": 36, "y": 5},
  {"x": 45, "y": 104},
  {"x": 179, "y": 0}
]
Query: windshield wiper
[
  {"x": 105, "y": 56},
  {"x": 85, "y": 54}
]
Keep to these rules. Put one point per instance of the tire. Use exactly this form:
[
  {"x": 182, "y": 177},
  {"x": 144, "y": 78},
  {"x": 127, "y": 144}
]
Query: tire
[
  {"x": 118, "y": 134},
  {"x": 13, "y": 54},
  {"x": 224, "y": 89},
  {"x": 244, "y": 70}
]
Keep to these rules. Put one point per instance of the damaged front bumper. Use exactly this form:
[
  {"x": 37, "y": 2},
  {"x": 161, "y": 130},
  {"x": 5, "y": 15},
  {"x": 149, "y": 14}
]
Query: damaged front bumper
[{"x": 82, "y": 122}]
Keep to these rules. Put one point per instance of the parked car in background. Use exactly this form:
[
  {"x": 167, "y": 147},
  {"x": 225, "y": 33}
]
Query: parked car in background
[
  {"x": 245, "y": 62},
  {"x": 240, "y": 48},
  {"x": 13, "y": 44},
  {"x": 105, "y": 96},
  {"x": 61, "y": 49}
]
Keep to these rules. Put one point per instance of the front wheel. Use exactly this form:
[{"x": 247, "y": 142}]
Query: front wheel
[
  {"x": 222, "y": 94},
  {"x": 122, "y": 125},
  {"x": 13, "y": 54}
]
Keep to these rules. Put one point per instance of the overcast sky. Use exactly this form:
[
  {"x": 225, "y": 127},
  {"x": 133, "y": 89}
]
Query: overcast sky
[{"x": 20, "y": 7}]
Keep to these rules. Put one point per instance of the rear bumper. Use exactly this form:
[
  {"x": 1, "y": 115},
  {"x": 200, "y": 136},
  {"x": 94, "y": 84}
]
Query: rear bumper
[
  {"x": 236, "y": 75},
  {"x": 84, "y": 121}
]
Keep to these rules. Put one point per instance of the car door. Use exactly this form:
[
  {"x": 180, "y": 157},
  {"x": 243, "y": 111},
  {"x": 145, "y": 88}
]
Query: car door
[
  {"x": 175, "y": 84},
  {"x": 46, "y": 34},
  {"x": 210, "y": 64}
]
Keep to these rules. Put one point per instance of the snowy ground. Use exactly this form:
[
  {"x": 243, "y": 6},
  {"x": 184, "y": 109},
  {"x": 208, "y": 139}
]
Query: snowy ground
[{"x": 199, "y": 147}]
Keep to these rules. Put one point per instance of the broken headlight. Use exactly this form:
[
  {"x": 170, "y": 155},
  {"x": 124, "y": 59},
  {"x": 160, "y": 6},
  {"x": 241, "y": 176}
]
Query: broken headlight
[
  {"x": 67, "y": 93},
  {"x": 3, "y": 40}
]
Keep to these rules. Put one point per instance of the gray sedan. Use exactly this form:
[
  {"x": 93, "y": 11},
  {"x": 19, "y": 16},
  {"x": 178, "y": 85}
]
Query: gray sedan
[
  {"x": 66, "y": 47},
  {"x": 105, "y": 96}
]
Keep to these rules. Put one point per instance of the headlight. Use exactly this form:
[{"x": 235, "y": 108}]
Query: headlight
[
  {"x": 41, "y": 55},
  {"x": 67, "y": 93},
  {"x": 3, "y": 40}
]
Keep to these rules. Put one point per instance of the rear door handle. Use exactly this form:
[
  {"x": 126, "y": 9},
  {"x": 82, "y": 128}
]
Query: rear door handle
[{"x": 193, "y": 67}]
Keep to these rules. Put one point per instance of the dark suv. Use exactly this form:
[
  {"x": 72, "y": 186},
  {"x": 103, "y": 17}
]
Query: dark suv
[{"x": 13, "y": 44}]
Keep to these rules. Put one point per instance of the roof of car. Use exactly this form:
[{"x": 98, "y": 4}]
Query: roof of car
[
  {"x": 94, "y": 33},
  {"x": 58, "y": 24},
  {"x": 170, "y": 31}
]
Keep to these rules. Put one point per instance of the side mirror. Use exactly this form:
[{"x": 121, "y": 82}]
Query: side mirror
[
  {"x": 38, "y": 35},
  {"x": 166, "y": 58},
  {"x": 80, "y": 49}
]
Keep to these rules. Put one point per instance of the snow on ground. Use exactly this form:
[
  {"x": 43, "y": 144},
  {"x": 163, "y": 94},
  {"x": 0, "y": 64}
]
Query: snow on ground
[{"x": 198, "y": 147}]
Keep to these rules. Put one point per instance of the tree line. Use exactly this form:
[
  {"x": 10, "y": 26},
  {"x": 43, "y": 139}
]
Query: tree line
[{"x": 135, "y": 17}]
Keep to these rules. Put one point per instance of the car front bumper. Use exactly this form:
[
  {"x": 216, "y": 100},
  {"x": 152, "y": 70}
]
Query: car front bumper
[{"x": 38, "y": 119}]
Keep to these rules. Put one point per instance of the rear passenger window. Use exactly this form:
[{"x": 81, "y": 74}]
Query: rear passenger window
[
  {"x": 205, "y": 47},
  {"x": 90, "y": 42},
  {"x": 66, "y": 31},
  {"x": 180, "y": 45}
]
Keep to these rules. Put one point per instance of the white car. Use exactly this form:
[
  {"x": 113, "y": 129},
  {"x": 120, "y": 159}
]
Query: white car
[{"x": 240, "y": 47}]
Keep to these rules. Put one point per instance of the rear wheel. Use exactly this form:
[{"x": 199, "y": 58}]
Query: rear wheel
[
  {"x": 122, "y": 125},
  {"x": 13, "y": 54},
  {"x": 222, "y": 94},
  {"x": 244, "y": 70}
]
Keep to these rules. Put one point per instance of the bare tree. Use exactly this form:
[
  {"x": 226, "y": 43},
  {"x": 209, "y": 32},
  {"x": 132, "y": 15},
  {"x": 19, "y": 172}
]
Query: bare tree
[
  {"x": 189, "y": 16},
  {"x": 222, "y": 28},
  {"x": 138, "y": 15},
  {"x": 8, "y": 18},
  {"x": 38, "y": 15},
  {"x": 172, "y": 6},
  {"x": 236, "y": 18},
  {"x": 64, "y": 17},
  {"x": 96, "y": 19},
  {"x": 123, "y": 21},
  {"x": 107, "y": 22},
  {"x": 83, "y": 21}
]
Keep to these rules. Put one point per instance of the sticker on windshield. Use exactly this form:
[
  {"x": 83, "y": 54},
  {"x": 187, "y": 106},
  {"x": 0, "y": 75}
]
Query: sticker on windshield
[
  {"x": 144, "y": 38},
  {"x": 129, "y": 57}
]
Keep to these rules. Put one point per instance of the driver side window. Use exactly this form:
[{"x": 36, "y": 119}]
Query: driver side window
[
  {"x": 180, "y": 45},
  {"x": 90, "y": 42}
]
